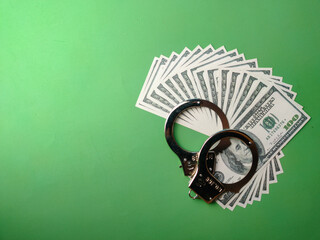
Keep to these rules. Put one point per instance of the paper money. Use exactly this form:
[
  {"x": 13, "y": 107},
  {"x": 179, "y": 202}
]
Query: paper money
[{"x": 254, "y": 101}]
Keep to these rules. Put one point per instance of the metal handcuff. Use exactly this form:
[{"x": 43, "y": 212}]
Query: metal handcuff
[{"x": 200, "y": 166}]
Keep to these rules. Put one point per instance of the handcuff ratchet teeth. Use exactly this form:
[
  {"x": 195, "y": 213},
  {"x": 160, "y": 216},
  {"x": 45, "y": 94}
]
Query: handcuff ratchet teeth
[
  {"x": 204, "y": 184},
  {"x": 189, "y": 159}
]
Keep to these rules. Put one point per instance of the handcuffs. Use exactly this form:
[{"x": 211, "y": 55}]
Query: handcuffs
[{"x": 200, "y": 166}]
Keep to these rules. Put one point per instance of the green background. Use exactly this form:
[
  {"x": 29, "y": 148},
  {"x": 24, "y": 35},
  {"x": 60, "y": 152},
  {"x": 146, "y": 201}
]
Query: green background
[{"x": 79, "y": 161}]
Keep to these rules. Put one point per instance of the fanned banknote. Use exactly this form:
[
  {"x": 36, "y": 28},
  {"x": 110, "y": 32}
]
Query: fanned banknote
[{"x": 253, "y": 99}]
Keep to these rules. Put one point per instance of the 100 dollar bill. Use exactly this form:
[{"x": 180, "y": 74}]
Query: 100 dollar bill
[{"x": 271, "y": 122}]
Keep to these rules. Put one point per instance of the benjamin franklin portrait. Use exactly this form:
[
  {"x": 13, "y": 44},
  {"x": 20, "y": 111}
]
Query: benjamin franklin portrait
[{"x": 238, "y": 158}]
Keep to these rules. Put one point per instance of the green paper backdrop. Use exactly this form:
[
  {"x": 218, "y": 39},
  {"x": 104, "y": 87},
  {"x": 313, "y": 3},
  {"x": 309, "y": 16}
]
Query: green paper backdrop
[{"x": 79, "y": 161}]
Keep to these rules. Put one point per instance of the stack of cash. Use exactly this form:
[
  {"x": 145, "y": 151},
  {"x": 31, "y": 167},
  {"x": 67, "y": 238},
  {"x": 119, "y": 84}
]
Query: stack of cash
[{"x": 254, "y": 101}]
